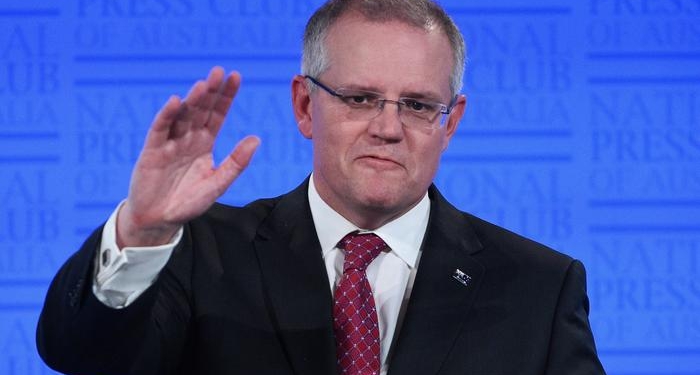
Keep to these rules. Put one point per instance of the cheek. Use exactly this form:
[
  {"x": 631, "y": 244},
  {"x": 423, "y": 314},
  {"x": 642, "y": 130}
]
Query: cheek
[
  {"x": 329, "y": 149},
  {"x": 424, "y": 159},
  {"x": 338, "y": 138},
  {"x": 324, "y": 141}
]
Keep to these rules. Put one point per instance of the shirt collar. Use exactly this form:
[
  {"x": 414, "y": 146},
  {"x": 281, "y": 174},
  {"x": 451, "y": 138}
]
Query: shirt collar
[{"x": 404, "y": 235}]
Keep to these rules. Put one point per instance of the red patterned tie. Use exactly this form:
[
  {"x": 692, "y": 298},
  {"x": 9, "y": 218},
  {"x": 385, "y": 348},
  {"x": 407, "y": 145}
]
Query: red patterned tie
[{"x": 355, "y": 316}]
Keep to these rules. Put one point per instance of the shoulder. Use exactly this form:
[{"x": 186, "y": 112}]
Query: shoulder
[
  {"x": 507, "y": 243},
  {"x": 524, "y": 271},
  {"x": 498, "y": 247}
]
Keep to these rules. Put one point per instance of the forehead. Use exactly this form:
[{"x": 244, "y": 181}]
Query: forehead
[{"x": 390, "y": 56}]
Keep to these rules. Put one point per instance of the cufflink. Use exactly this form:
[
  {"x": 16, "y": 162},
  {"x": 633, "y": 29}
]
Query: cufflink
[
  {"x": 106, "y": 257},
  {"x": 462, "y": 277}
]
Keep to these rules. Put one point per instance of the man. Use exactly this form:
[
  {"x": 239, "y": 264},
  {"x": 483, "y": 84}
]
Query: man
[{"x": 363, "y": 269}]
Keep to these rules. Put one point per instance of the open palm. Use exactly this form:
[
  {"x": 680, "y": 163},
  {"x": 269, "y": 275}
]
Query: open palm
[{"x": 175, "y": 178}]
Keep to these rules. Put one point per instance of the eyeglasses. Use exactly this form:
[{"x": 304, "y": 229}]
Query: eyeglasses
[{"x": 365, "y": 105}]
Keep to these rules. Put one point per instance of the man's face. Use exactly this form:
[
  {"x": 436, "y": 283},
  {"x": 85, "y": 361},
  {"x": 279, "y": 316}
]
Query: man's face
[{"x": 375, "y": 170}]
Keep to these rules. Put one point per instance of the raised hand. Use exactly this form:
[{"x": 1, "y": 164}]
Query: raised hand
[{"x": 175, "y": 179}]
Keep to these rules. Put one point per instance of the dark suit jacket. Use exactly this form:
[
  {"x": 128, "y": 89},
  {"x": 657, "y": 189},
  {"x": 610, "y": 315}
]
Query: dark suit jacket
[{"x": 246, "y": 292}]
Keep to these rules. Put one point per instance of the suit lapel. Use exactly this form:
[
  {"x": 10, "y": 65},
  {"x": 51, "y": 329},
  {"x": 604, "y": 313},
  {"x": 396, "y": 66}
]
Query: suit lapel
[
  {"x": 296, "y": 283},
  {"x": 439, "y": 302}
]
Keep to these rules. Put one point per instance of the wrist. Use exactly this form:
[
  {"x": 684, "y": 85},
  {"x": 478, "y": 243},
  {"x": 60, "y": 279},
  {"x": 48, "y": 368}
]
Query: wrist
[{"x": 133, "y": 231}]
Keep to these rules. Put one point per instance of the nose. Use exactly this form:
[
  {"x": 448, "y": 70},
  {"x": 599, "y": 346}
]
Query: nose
[{"x": 387, "y": 124}]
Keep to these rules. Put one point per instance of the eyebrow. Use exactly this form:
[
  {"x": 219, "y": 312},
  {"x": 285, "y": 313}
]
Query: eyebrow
[
  {"x": 429, "y": 95},
  {"x": 423, "y": 95}
]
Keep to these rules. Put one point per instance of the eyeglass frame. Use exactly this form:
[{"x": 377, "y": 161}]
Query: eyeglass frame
[{"x": 445, "y": 110}]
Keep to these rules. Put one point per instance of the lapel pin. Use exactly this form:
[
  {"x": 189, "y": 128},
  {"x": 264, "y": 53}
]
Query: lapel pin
[{"x": 461, "y": 277}]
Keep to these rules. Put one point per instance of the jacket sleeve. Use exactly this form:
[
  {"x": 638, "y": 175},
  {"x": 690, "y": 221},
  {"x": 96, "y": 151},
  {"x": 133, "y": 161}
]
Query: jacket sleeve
[
  {"x": 572, "y": 348},
  {"x": 78, "y": 334}
]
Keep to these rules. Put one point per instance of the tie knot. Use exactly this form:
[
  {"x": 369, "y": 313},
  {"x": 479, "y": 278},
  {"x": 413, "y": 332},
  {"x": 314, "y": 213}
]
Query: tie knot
[{"x": 360, "y": 249}]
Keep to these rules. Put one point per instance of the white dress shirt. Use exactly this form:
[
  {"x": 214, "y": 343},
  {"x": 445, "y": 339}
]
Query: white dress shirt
[
  {"x": 122, "y": 276},
  {"x": 391, "y": 274}
]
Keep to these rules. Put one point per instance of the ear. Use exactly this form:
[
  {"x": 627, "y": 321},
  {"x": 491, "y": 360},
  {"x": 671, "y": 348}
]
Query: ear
[
  {"x": 301, "y": 103},
  {"x": 454, "y": 119}
]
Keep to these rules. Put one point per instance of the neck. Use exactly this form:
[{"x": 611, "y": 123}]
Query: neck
[{"x": 363, "y": 216}]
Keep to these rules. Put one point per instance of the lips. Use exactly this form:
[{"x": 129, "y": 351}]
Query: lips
[{"x": 379, "y": 161}]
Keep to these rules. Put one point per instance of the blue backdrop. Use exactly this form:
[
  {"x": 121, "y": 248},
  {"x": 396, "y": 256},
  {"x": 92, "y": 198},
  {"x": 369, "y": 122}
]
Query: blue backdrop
[{"x": 582, "y": 132}]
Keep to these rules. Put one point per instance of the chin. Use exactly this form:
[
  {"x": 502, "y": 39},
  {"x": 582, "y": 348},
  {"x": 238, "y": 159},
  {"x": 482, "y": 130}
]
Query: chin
[{"x": 380, "y": 199}]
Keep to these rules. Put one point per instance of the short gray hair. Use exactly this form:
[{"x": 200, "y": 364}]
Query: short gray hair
[{"x": 425, "y": 14}]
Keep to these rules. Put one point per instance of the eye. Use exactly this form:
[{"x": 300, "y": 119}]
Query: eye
[
  {"x": 360, "y": 99},
  {"x": 419, "y": 107}
]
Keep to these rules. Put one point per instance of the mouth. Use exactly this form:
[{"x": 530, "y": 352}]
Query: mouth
[{"x": 379, "y": 162}]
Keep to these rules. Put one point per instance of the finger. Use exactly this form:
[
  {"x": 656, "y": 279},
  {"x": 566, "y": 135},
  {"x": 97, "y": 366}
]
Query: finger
[
  {"x": 196, "y": 106},
  {"x": 206, "y": 89},
  {"x": 234, "y": 164},
  {"x": 223, "y": 102},
  {"x": 189, "y": 113},
  {"x": 163, "y": 122},
  {"x": 205, "y": 96}
]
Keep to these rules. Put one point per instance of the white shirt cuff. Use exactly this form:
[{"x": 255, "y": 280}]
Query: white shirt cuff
[{"x": 122, "y": 276}]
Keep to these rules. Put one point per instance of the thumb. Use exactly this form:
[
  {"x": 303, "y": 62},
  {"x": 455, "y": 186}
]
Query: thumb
[{"x": 236, "y": 162}]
